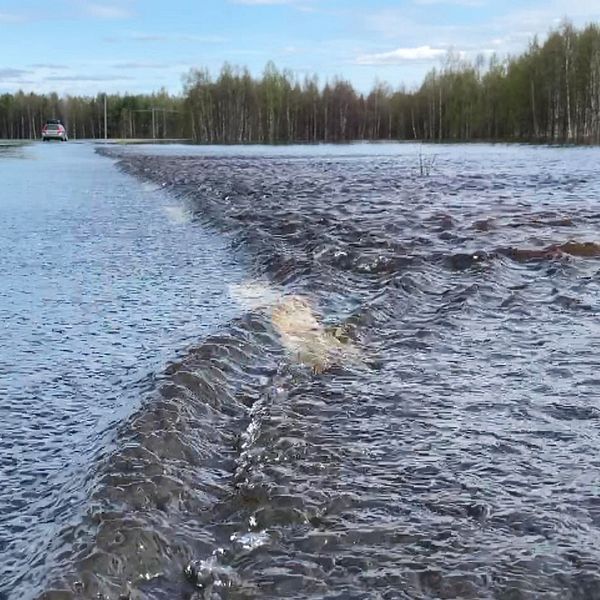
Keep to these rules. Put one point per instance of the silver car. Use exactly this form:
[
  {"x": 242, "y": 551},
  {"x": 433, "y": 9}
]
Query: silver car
[{"x": 54, "y": 130}]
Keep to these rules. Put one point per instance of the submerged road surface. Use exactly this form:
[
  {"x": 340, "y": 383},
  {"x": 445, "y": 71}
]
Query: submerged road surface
[{"x": 103, "y": 280}]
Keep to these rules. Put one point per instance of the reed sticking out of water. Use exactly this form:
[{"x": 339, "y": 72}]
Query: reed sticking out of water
[{"x": 426, "y": 163}]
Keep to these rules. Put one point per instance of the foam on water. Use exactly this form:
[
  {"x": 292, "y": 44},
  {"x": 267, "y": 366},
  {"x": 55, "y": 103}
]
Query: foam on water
[{"x": 178, "y": 214}]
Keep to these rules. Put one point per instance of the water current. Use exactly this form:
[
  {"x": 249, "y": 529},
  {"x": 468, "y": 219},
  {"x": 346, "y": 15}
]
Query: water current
[
  {"x": 399, "y": 399},
  {"x": 103, "y": 281}
]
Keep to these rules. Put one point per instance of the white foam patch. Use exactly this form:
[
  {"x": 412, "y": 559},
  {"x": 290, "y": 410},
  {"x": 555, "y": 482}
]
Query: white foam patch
[
  {"x": 150, "y": 187},
  {"x": 211, "y": 572},
  {"x": 293, "y": 317},
  {"x": 250, "y": 540},
  {"x": 251, "y": 295},
  {"x": 177, "y": 214}
]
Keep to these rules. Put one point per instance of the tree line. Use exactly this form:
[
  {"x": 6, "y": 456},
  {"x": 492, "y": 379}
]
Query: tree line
[
  {"x": 549, "y": 93},
  {"x": 157, "y": 115}
]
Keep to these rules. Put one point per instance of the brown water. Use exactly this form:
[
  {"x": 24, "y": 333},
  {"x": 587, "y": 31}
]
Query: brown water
[{"x": 422, "y": 421}]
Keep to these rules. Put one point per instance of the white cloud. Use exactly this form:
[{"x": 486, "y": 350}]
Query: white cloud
[
  {"x": 137, "y": 36},
  {"x": 48, "y": 66},
  {"x": 507, "y": 28},
  {"x": 93, "y": 78},
  {"x": 88, "y": 77},
  {"x": 401, "y": 55},
  {"x": 107, "y": 11},
  {"x": 201, "y": 39},
  {"x": 140, "y": 65},
  {"x": 149, "y": 37}
]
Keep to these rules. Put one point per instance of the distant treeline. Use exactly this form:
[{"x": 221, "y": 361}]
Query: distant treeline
[
  {"x": 550, "y": 93},
  {"x": 131, "y": 116}
]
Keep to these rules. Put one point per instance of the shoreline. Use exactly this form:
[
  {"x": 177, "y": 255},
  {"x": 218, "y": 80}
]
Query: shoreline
[{"x": 404, "y": 142}]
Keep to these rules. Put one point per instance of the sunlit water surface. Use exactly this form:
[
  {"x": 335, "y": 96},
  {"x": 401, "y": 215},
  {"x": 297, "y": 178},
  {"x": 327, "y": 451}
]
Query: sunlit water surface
[
  {"x": 403, "y": 402},
  {"x": 103, "y": 280}
]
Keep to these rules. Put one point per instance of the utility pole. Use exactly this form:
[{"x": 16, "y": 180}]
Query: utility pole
[
  {"x": 153, "y": 123},
  {"x": 105, "y": 119}
]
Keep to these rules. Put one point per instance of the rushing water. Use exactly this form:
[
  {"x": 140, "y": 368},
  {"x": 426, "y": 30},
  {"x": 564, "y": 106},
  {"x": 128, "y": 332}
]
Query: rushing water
[
  {"x": 103, "y": 281},
  {"x": 406, "y": 405}
]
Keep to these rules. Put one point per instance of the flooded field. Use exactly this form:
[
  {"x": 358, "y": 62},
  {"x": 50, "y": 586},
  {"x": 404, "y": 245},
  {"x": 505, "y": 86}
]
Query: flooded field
[{"x": 398, "y": 398}]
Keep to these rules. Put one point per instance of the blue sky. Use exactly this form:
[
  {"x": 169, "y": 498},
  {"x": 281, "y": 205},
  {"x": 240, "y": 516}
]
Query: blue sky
[{"x": 88, "y": 46}]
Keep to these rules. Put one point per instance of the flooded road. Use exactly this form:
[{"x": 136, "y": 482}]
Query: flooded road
[
  {"x": 397, "y": 398},
  {"x": 104, "y": 280}
]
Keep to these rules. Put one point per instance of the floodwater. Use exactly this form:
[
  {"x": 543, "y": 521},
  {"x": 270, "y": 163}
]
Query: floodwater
[
  {"x": 396, "y": 398},
  {"x": 103, "y": 281}
]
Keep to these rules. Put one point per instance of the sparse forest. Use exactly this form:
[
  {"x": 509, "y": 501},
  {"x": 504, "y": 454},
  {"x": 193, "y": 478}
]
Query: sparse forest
[{"x": 550, "y": 93}]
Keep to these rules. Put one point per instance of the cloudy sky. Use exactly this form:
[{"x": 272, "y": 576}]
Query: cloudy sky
[{"x": 87, "y": 46}]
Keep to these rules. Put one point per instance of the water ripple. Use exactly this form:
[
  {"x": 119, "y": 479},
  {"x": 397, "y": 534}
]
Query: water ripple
[{"x": 412, "y": 410}]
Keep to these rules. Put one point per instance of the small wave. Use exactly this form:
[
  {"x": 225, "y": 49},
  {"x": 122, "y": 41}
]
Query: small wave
[
  {"x": 461, "y": 261},
  {"x": 582, "y": 249},
  {"x": 171, "y": 466}
]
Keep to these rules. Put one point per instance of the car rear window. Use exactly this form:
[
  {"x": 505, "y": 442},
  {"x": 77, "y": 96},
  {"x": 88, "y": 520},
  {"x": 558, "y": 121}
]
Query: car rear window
[{"x": 53, "y": 127}]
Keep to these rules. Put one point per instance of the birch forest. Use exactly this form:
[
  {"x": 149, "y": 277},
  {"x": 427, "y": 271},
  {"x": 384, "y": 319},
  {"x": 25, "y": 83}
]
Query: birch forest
[{"x": 548, "y": 94}]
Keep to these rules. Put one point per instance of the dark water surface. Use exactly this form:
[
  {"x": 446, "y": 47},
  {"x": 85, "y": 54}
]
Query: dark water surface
[{"x": 432, "y": 433}]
